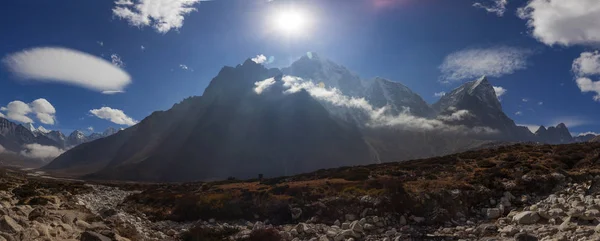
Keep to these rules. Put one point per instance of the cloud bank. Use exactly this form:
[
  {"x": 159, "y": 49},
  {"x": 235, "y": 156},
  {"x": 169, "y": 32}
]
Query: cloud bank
[
  {"x": 162, "y": 15},
  {"x": 563, "y": 22},
  {"x": 114, "y": 115},
  {"x": 497, "y": 7},
  {"x": 474, "y": 63},
  {"x": 377, "y": 117},
  {"x": 22, "y": 112},
  {"x": 42, "y": 152},
  {"x": 584, "y": 67},
  {"x": 67, "y": 66}
]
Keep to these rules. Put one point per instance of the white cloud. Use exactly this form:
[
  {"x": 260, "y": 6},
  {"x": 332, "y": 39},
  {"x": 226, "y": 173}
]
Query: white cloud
[
  {"x": 588, "y": 63},
  {"x": 474, "y": 63},
  {"x": 17, "y": 111},
  {"x": 183, "y": 66},
  {"x": 116, "y": 60},
  {"x": 525, "y": 100},
  {"x": 439, "y": 94},
  {"x": 114, "y": 115},
  {"x": 42, "y": 152},
  {"x": 500, "y": 91},
  {"x": 532, "y": 128},
  {"x": 61, "y": 65},
  {"x": 2, "y": 115},
  {"x": 100, "y": 43},
  {"x": 20, "y": 111},
  {"x": 263, "y": 85},
  {"x": 259, "y": 59},
  {"x": 519, "y": 113},
  {"x": 497, "y": 7},
  {"x": 44, "y": 111},
  {"x": 90, "y": 129},
  {"x": 563, "y": 22},
  {"x": 540, "y": 103},
  {"x": 162, "y": 15},
  {"x": 142, "y": 47}
]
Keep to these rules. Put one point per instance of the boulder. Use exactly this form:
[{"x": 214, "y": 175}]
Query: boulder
[
  {"x": 38, "y": 212},
  {"x": 492, "y": 213},
  {"x": 9, "y": 225},
  {"x": 527, "y": 217},
  {"x": 523, "y": 236},
  {"x": 93, "y": 236},
  {"x": 356, "y": 227}
]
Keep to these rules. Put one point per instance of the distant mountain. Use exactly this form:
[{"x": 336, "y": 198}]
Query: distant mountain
[
  {"x": 14, "y": 136},
  {"x": 554, "y": 135},
  {"x": 481, "y": 107},
  {"x": 584, "y": 138}
]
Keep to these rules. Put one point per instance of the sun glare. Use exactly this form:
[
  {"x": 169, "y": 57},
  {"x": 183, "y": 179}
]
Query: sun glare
[{"x": 291, "y": 21}]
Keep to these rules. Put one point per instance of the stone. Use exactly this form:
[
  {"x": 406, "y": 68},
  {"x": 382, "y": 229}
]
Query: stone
[
  {"x": 9, "y": 225},
  {"x": 38, "y": 212},
  {"x": 296, "y": 213},
  {"x": 337, "y": 223},
  {"x": 566, "y": 225},
  {"x": 523, "y": 236},
  {"x": 350, "y": 217},
  {"x": 345, "y": 225},
  {"x": 492, "y": 213},
  {"x": 324, "y": 238},
  {"x": 590, "y": 214},
  {"x": 368, "y": 226},
  {"x": 418, "y": 219},
  {"x": 527, "y": 217},
  {"x": 402, "y": 220},
  {"x": 356, "y": 227},
  {"x": 93, "y": 236},
  {"x": 82, "y": 224},
  {"x": 509, "y": 230}
]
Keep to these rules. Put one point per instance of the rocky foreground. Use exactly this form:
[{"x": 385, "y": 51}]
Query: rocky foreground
[{"x": 523, "y": 192}]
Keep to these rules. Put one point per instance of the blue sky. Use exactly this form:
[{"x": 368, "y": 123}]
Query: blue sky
[{"x": 431, "y": 46}]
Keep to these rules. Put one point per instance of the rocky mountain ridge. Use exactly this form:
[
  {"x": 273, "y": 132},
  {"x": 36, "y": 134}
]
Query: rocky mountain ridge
[{"x": 263, "y": 121}]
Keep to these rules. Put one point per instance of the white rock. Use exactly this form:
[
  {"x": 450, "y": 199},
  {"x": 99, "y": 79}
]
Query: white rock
[{"x": 527, "y": 217}]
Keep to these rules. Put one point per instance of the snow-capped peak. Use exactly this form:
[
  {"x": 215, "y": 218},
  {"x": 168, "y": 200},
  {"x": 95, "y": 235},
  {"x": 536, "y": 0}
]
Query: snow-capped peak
[
  {"x": 43, "y": 130},
  {"x": 29, "y": 127}
]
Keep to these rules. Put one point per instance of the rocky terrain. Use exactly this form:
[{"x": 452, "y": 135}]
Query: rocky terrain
[{"x": 518, "y": 192}]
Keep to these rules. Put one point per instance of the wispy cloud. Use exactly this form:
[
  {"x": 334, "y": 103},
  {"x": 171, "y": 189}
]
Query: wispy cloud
[
  {"x": 563, "y": 22},
  {"x": 116, "y": 60},
  {"x": 142, "y": 47},
  {"x": 67, "y": 66},
  {"x": 525, "y": 100},
  {"x": 587, "y": 133},
  {"x": 497, "y": 7},
  {"x": 439, "y": 94},
  {"x": 570, "y": 121},
  {"x": 100, "y": 43},
  {"x": 474, "y": 63},
  {"x": 114, "y": 115},
  {"x": 183, "y": 67},
  {"x": 90, "y": 129},
  {"x": 540, "y": 103},
  {"x": 259, "y": 59},
  {"x": 22, "y": 112},
  {"x": 377, "y": 117},
  {"x": 162, "y": 15},
  {"x": 500, "y": 91}
]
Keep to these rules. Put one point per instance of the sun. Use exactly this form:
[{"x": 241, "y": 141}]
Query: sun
[{"x": 291, "y": 22}]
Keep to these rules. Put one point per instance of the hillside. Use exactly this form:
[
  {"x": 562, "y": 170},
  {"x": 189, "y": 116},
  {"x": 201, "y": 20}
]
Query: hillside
[{"x": 539, "y": 192}]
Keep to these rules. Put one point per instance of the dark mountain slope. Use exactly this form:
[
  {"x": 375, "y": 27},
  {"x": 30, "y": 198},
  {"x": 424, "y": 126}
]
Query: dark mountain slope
[{"x": 229, "y": 131}]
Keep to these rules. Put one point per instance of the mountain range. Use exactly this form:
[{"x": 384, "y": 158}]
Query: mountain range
[
  {"x": 13, "y": 136},
  {"x": 314, "y": 114}
]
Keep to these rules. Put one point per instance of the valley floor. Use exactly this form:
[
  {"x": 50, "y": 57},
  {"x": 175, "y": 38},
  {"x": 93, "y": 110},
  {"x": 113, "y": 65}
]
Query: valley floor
[{"x": 520, "y": 192}]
